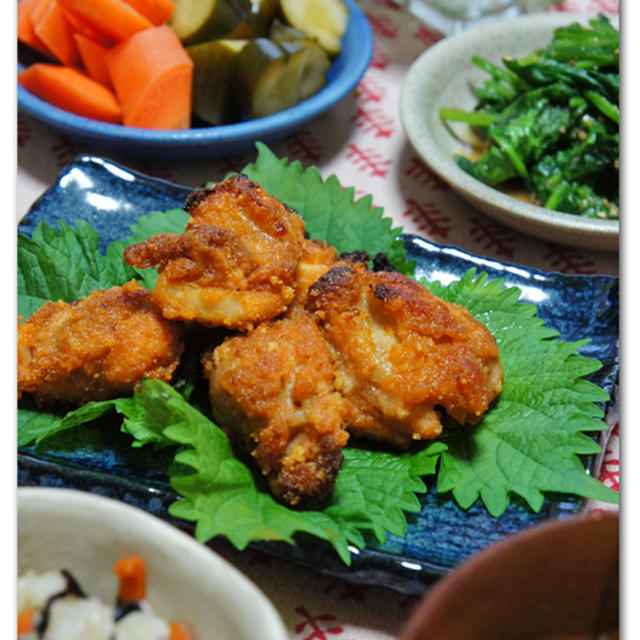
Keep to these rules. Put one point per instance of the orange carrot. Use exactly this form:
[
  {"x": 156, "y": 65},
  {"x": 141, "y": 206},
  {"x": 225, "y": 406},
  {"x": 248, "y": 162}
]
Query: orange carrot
[
  {"x": 26, "y": 621},
  {"x": 54, "y": 31},
  {"x": 178, "y": 631},
  {"x": 71, "y": 89},
  {"x": 152, "y": 75},
  {"x": 157, "y": 11},
  {"x": 132, "y": 573},
  {"x": 83, "y": 28},
  {"x": 93, "y": 55},
  {"x": 115, "y": 18},
  {"x": 26, "y": 34}
]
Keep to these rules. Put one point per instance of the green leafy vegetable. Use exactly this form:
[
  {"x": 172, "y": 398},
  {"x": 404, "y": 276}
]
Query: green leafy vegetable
[
  {"x": 551, "y": 120},
  {"x": 65, "y": 265},
  {"x": 528, "y": 444}
]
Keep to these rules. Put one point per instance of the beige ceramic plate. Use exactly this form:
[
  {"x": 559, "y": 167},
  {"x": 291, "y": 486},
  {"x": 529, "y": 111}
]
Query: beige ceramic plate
[
  {"x": 186, "y": 581},
  {"x": 442, "y": 77}
]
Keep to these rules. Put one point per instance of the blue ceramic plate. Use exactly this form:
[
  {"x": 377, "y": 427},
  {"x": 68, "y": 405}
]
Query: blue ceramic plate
[
  {"x": 111, "y": 197},
  {"x": 342, "y": 77}
]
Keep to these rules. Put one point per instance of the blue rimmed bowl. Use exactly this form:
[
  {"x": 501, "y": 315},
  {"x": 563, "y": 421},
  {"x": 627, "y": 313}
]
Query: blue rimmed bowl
[{"x": 345, "y": 72}]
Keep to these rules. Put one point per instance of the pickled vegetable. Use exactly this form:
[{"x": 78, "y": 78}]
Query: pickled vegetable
[
  {"x": 282, "y": 32},
  {"x": 213, "y": 73},
  {"x": 258, "y": 22},
  {"x": 322, "y": 20},
  {"x": 196, "y": 21},
  {"x": 274, "y": 76}
]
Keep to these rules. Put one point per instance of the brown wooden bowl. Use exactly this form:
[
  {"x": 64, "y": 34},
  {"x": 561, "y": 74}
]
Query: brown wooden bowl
[{"x": 554, "y": 581}]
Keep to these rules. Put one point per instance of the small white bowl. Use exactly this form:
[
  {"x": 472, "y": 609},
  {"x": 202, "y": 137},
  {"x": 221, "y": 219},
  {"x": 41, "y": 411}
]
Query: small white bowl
[
  {"x": 186, "y": 581},
  {"x": 442, "y": 77}
]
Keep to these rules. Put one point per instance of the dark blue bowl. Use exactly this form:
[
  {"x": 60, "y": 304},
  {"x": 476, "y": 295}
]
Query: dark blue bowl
[{"x": 344, "y": 74}]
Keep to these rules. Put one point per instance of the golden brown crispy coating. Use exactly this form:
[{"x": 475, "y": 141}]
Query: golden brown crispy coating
[
  {"x": 401, "y": 352},
  {"x": 235, "y": 264},
  {"x": 96, "y": 348},
  {"x": 272, "y": 390},
  {"x": 317, "y": 258}
]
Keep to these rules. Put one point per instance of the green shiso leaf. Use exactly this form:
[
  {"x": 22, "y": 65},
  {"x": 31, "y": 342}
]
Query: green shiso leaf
[
  {"x": 528, "y": 444},
  {"x": 65, "y": 265}
]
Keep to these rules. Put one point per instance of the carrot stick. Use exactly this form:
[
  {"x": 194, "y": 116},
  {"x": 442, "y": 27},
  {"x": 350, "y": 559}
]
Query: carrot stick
[
  {"x": 132, "y": 573},
  {"x": 26, "y": 34},
  {"x": 93, "y": 55},
  {"x": 115, "y": 18},
  {"x": 83, "y": 28},
  {"x": 72, "y": 90},
  {"x": 53, "y": 30},
  {"x": 152, "y": 75},
  {"x": 178, "y": 631},
  {"x": 157, "y": 11},
  {"x": 26, "y": 621}
]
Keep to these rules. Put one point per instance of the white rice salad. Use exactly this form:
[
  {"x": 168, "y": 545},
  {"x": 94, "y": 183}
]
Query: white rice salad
[{"x": 53, "y": 606}]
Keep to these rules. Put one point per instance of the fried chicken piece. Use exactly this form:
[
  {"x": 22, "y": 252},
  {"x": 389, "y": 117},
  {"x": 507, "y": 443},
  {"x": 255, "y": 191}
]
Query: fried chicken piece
[
  {"x": 96, "y": 348},
  {"x": 235, "y": 264},
  {"x": 272, "y": 390},
  {"x": 402, "y": 353},
  {"x": 317, "y": 258}
]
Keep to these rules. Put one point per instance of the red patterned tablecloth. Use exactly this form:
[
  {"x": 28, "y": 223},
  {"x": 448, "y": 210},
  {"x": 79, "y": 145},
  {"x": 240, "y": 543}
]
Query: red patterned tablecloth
[{"x": 361, "y": 141}]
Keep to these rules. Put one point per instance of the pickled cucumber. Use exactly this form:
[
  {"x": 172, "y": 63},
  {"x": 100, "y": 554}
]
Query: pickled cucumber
[
  {"x": 271, "y": 77},
  {"x": 323, "y": 20},
  {"x": 195, "y": 21},
  {"x": 213, "y": 73},
  {"x": 258, "y": 22},
  {"x": 282, "y": 32}
]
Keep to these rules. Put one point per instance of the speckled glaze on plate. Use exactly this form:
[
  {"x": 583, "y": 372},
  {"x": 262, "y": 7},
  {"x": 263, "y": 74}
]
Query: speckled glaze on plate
[
  {"x": 344, "y": 74},
  {"x": 442, "y": 77},
  {"x": 111, "y": 197}
]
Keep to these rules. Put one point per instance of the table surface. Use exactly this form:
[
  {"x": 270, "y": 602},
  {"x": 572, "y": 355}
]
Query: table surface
[{"x": 361, "y": 141}]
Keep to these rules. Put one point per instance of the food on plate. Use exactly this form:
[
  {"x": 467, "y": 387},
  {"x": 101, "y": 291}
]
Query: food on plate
[
  {"x": 152, "y": 76},
  {"x": 272, "y": 76},
  {"x": 550, "y": 121},
  {"x": 53, "y": 605},
  {"x": 51, "y": 28},
  {"x": 523, "y": 452},
  {"x": 70, "y": 89},
  {"x": 339, "y": 360},
  {"x": 325, "y": 348},
  {"x": 323, "y": 20},
  {"x": 167, "y": 63},
  {"x": 99, "y": 347},
  {"x": 197, "y": 21},
  {"x": 94, "y": 59},
  {"x": 115, "y": 19},
  {"x": 235, "y": 264},
  {"x": 385, "y": 329},
  {"x": 213, "y": 78},
  {"x": 273, "y": 390},
  {"x": 317, "y": 258}
]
